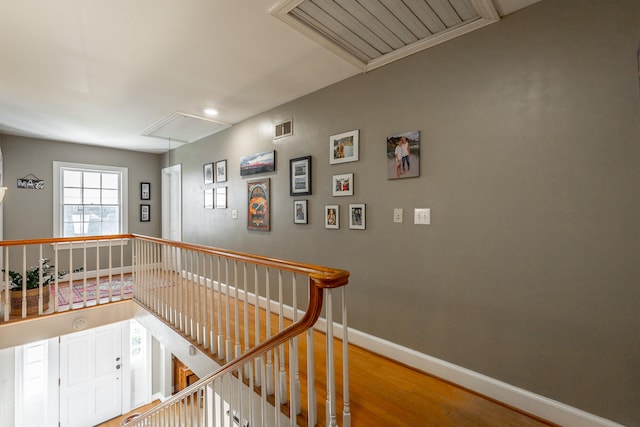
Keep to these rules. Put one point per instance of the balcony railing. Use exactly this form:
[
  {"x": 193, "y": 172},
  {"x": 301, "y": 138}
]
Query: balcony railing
[{"x": 257, "y": 316}]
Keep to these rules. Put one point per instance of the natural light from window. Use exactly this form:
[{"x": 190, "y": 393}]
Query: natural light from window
[{"x": 92, "y": 200}]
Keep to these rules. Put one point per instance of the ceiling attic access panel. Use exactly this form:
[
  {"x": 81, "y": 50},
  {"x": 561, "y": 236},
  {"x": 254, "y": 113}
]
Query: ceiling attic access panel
[{"x": 372, "y": 33}]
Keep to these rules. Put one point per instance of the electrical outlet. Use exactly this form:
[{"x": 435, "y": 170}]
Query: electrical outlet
[{"x": 422, "y": 216}]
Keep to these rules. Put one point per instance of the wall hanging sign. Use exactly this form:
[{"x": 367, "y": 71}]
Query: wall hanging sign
[{"x": 31, "y": 182}]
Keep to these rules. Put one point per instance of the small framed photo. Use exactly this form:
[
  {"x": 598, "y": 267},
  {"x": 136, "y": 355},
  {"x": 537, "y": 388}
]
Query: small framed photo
[
  {"x": 145, "y": 213},
  {"x": 300, "y": 176},
  {"x": 343, "y": 184},
  {"x": 357, "y": 216},
  {"x": 221, "y": 198},
  {"x": 145, "y": 191},
  {"x": 403, "y": 155},
  {"x": 221, "y": 171},
  {"x": 300, "y": 212},
  {"x": 207, "y": 171},
  {"x": 208, "y": 198},
  {"x": 343, "y": 147},
  {"x": 332, "y": 216}
]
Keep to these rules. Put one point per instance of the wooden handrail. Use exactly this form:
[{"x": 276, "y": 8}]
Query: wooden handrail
[
  {"x": 51, "y": 240},
  {"x": 296, "y": 329},
  {"x": 152, "y": 267},
  {"x": 324, "y": 276}
]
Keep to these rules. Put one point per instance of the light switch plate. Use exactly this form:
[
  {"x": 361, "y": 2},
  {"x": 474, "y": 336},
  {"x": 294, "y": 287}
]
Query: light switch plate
[
  {"x": 234, "y": 214},
  {"x": 397, "y": 215},
  {"x": 422, "y": 216}
]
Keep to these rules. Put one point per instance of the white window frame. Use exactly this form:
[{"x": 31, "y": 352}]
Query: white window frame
[{"x": 58, "y": 205}]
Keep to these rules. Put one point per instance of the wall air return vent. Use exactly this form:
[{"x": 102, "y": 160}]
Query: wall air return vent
[
  {"x": 282, "y": 129},
  {"x": 372, "y": 33},
  {"x": 184, "y": 127}
]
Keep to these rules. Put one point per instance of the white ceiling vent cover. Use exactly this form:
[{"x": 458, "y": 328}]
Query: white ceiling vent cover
[
  {"x": 184, "y": 127},
  {"x": 372, "y": 33}
]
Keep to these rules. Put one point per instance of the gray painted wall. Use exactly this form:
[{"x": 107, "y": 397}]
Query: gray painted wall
[
  {"x": 529, "y": 162},
  {"x": 28, "y": 214},
  {"x": 530, "y": 157}
]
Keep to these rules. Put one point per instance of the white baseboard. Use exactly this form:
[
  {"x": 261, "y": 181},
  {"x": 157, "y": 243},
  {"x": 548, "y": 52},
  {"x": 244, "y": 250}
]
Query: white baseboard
[
  {"x": 500, "y": 391},
  {"x": 524, "y": 400}
]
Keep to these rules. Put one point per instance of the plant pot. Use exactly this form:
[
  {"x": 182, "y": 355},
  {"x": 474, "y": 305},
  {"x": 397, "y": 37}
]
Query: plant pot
[{"x": 32, "y": 301}]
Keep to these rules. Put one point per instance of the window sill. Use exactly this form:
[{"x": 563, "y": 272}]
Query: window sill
[{"x": 90, "y": 244}]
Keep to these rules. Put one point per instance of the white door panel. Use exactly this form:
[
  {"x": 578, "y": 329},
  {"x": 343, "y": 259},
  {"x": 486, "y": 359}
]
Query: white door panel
[{"x": 90, "y": 372}]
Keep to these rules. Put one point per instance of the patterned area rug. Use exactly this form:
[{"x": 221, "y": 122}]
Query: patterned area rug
[{"x": 118, "y": 288}]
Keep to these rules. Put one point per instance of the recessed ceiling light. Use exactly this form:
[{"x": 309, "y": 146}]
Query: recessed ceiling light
[{"x": 210, "y": 111}]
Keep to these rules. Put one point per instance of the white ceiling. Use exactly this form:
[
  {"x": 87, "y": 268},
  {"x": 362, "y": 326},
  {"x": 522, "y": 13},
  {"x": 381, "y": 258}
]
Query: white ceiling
[{"x": 102, "y": 72}]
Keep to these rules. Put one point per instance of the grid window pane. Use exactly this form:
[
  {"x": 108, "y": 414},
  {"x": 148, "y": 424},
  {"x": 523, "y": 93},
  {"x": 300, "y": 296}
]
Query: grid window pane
[
  {"x": 110, "y": 180},
  {"x": 72, "y": 196},
  {"x": 92, "y": 180},
  {"x": 73, "y": 213},
  {"x": 72, "y": 178},
  {"x": 91, "y": 202},
  {"x": 91, "y": 196},
  {"x": 110, "y": 227},
  {"x": 110, "y": 213},
  {"x": 110, "y": 197}
]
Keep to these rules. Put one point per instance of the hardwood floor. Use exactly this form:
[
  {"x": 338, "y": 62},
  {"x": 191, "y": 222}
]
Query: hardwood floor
[{"x": 386, "y": 393}]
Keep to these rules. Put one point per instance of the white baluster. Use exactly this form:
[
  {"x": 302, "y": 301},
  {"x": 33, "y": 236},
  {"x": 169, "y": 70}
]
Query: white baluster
[
  {"x": 256, "y": 308},
  {"x": 269, "y": 365},
  {"x": 245, "y": 306},
  {"x": 346, "y": 412},
  {"x": 227, "y": 314},
  {"x": 220, "y": 324},
  {"x": 312, "y": 413},
  {"x": 236, "y": 309},
  {"x": 331, "y": 374}
]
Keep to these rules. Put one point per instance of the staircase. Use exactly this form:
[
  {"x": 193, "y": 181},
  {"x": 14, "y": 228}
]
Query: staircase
[{"x": 255, "y": 315}]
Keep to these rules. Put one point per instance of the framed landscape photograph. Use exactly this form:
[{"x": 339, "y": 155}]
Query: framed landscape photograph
[
  {"x": 258, "y": 205},
  {"x": 145, "y": 213},
  {"x": 145, "y": 191},
  {"x": 221, "y": 197},
  {"x": 342, "y": 184},
  {"x": 300, "y": 176},
  {"x": 300, "y": 212},
  {"x": 258, "y": 163},
  {"x": 343, "y": 147},
  {"x": 357, "y": 216},
  {"x": 208, "y": 198},
  {"x": 403, "y": 155},
  {"x": 221, "y": 171},
  {"x": 332, "y": 216},
  {"x": 207, "y": 171}
]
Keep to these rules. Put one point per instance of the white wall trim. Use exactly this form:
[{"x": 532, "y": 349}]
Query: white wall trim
[
  {"x": 535, "y": 404},
  {"x": 524, "y": 400}
]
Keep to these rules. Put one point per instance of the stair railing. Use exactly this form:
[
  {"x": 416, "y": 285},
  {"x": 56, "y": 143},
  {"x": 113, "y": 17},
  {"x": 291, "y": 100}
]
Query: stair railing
[
  {"x": 52, "y": 275},
  {"x": 250, "y": 313}
]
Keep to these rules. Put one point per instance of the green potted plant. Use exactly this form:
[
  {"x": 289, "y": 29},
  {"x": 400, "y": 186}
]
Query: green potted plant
[{"x": 32, "y": 286}]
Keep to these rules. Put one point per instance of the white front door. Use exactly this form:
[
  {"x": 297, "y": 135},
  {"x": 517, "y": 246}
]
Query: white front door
[{"x": 91, "y": 380}]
